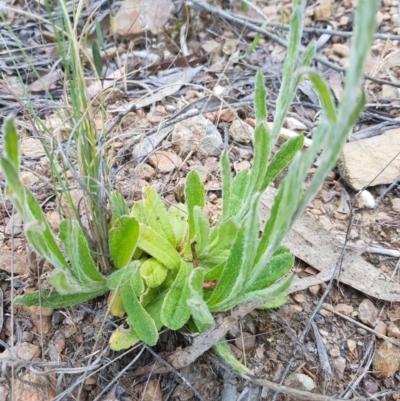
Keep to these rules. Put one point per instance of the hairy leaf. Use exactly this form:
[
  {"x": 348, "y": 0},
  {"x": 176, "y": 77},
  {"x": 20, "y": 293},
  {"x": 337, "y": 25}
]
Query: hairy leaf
[
  {"x": 123, "y": 240},
  {"x": 175, "y": 310},
  {"x": 194, "y": 195}
]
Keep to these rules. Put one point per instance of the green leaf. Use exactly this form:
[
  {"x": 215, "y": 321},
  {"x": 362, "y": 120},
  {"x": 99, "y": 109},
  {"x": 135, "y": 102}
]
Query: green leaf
[
  {"x": 325, "y": 96},
  {"x": 198, "y": 307},
  {"x": 99, "y": 34},
  {"x": 138, "y": 212},
  {"x": 65, "y": 283},
  {"x": 268, "y": 293},
  {"x": 123, "y": 240},
  {"x": 123, "y": 339},
  {"x": 175, "y": 310},
  {"x": 141, "y": 322},
  {"x": 215, "y": 272},
  {"x": 255, "y": 41},
  {"x": 159, "y": 248},
  {"x": 202, "y": 226},
  {"x": 179, "y": 221},
  {"x": 276, "y": 268},
  {"x": 238, "y": 191},
  {"x": 157, "y": 216},
  {"x": 226, "y": 183},
  {"x": 275, "y": 303},
  {"x": 153, "y": 272},
  {"x": 260, "y": 160},
  {"x": 121, "y": 276},
  {"x": 11, "y": 143},
  {"x": 77, "y": 249},
  {"x": 282, "y": 158},
  {"x": 194, "y": 195},
  {"x": 230, "y": 273},
  {"x": 119, "y": 207},
  {"x": 222, "y": 349},
  {"x": 260, "y": 93},
  {"x": 249, "y": 249},
  {"x": 96, "y": 58},
  {"x": 53, "y": 300}
]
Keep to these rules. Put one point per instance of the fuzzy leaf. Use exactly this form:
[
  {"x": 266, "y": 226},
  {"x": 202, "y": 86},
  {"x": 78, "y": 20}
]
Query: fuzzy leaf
[
  {"x": 96, "y": 58},
  {"x": 274, "y": 303},
  {"x": 175, "y": 311},
  {"x": 276, "y": 268},
  {"x": 153, "y": 272},
  {"x": 11, "y": 143},
  {"x": 226, "y": 183},
  {"x": 53, "y": 300},
  {"x": 119, "y": 207},
  {"x": 122, "y": 240},
  {"x": 194, "y": 195},
  {"x": 141, "y": 322},
  {"x": 238, "y": 192},
  {"x": 159, "y": 248},
  {"x": 157, "y": 216},
  {"x": 202, "y": 226},
  {"x": 282, "y": 158},
  {"x": 77, "y": 249},
  {"x": 123, "y": 339},
  {"x": 222, "y": 349},
  {"x": 121, "y": 276},
  {"x": 260, "y": 93},
  {"x": 179, "y": 222},
  {"x": 198, "y": 307}
]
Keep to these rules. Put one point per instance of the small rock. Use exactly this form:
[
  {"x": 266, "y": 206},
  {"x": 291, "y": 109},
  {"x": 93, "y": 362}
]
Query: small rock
[
  {"x": 243, "y": 165},
  {"x": 165, "y": 161},
  {"x": 394, "y": 315},
  {"x": 340, "y": 365},
  {"x": 54, "y": 219},
  {"x": 234, "y": 331},
  {"x": 351, "y": 344},
  {"x": 145, "y": 172},
  {"x": 197, "y": 134},
  {"x": 28, "y": 178},
  {"x": 381, "y": 328},
  {"x": 386, "y": 359},
  {"x": 134, "y": 19},
  {"x": 396, "y": 205},
  {"x": 59, "y": 343},
  {"x": 152, "y": 391},
  {"x": 314, "y": 289},
  {"x": 41, "y": 392},
  {"x": 326, "y": 223},
  {"x": 14, "y": 225},
  {"x": 323, "y": 11},
  {"x": 370, "y": 386},
  {"x": 361, "y": 160},
  {"x": 28, "y": 351},
  {"x": 202, "y": 171},
  {"x": 41, "y": 319},
  {"x": 334, "y": 352},
  {"x": 245, "y": 340},
  {"x": 341, "y": 49},
  {"x": 368, "y": 313},
  {"x": 294, "y": 124},
  {"x": 393, "y": 331},
  {"x": 300, "y": 381},
  {"x": 33, "y": 148},
  {"x": 241, "y": 132},
  {"x": 344, "y": 309},
  {"x": 299, "y": 297}
]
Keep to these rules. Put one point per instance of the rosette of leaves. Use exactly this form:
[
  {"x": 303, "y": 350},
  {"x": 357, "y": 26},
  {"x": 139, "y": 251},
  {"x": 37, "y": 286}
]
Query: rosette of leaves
[{"x": 171, "y": 267}]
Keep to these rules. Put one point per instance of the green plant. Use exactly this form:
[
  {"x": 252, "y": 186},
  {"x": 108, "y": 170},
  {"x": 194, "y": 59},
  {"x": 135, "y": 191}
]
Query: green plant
[{"x": 171, "y": 267}]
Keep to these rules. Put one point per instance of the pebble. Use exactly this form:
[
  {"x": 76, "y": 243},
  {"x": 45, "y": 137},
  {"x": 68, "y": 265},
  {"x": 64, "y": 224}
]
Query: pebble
[
  {"x": 381, "y": 328},
  {"x": 393, "y": 331},
  {"x": 368, "y": 313},
  {"x": 28, "y": 351},
  {"x": 165, "y": 161},
  {"x": 145, "y": 172},
  {"x": 197, "y": 134},
  {"x": 300, "y": 381},
  {"x": 370, "y": 386},
  {"x": 245, "y": 341},
  {"x": 340, "y": 365},
  {"x": 314, "y": 289},
  {"x": 386, "y": 359},
  {"x": 344, "y": 309},
  {"x": 241, "y": 132},
  {"x": 31, "y": 147}
]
